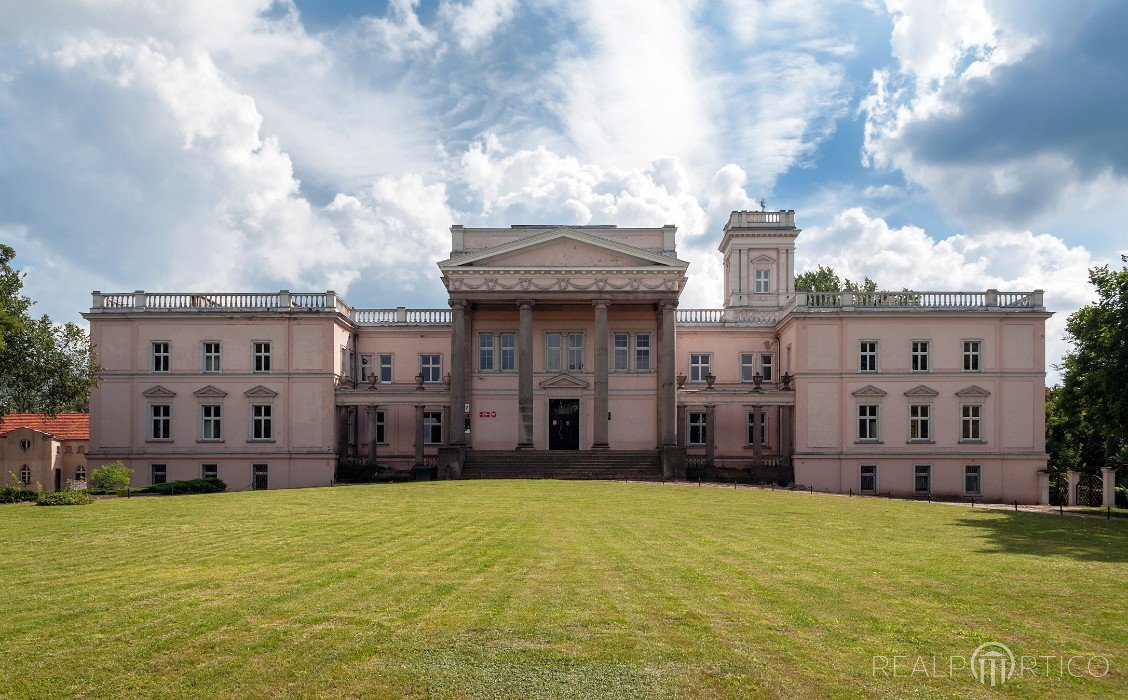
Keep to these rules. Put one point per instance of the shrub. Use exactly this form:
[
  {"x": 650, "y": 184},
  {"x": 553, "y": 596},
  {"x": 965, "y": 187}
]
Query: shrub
[
  {"x": 1122, "y": 496},
  {"x": 168, "y": 488},
  {"x": 11, "y": 494},
  {"x": 64, "y": 498},
  {"x": 110, "y": 477}
]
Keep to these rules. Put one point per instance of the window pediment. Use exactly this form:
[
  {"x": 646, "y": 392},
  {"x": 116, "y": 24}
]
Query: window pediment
[
  {"x": 868, "y": 391},
  {"x": 922, "y": 391},
  {"x": 260, "y": 392},
  {"x": 762, "y": 260},
  {"x": 564, "y": 381},
  {"x": 210, "y": 392},
  {"x": 158, "y": 392},
  {"x": 973, "y": 391}
]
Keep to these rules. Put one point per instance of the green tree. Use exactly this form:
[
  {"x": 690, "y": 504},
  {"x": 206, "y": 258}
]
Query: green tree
[
  {"x": 44, "y": 367},
  {"x": 110, "y": 477},
  {"x": 825, "y": 279}
]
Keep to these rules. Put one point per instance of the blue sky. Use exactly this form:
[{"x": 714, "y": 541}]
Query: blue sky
[{"x": 254, "y": 144}]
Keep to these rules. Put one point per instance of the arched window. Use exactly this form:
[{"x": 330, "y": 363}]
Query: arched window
[
  {"x": 25, "y": 475},
  {"x": 80, "y": 473}
]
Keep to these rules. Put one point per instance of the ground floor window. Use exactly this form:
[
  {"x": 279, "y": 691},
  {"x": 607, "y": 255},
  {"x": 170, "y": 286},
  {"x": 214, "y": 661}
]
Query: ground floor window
[
  {"x": 80, "y": 473},
  {"x": 260, "y": 479},
  {"x": 754, "y": 424},
  {"x": 380, "y": 423},
  {"x": 972, "y": 483},
  {"x": 697, "y": 428},
  {"x": 432, "y": 427},
  {"x": 25, "y": 475},
  {"x": 868, "y": 478},
  {"x": 922, "y": 480},
  {"x": 209, "y": 471},
  {"x": 158, "y": 473}
]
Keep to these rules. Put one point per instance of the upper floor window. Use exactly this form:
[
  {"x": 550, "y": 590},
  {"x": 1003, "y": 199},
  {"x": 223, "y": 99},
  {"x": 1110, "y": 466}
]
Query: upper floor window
[
  {"x": 385, "y": 369},
  {"x": 972, "y": 481},
  {"x": 575, "y": 352},
  {"x": 642, "y": 352},
  {"x": 621, "y": 343},
  {"x": 262, "y": 422},
  {"x": 919, "y": 359},
  {"x": 867, "y": 422},
  {"x": 971, "y": 422},
  {"x": 766, "y": 367},
  {"x": 162, "y": 356},
  {"x": 211, "y": 356},
  {"x": 485, "y": 352},
  {"x": 431, "y": 367},
  {"x": 698, "y": 367},
  {"x": 160, "y": 423},
  {"x": 552, "y": 351},
  {"x": 210, "y": 417},
  {"x": 261, "y": 351},
  {"x": 747, "y": 366},
  {"x": 366, "y": 368},
  {"x": 432, "y": 427},
  {"x": 867, "y": 482},
  {"x": 763, "y": 281},
  {"x": 867, "y": 356},
  {"x": 971, "y": 355},
  {"x": 920, "y": 427},
  {"x": 508, "y": 352},
  {"x": 697, "y": 428}
]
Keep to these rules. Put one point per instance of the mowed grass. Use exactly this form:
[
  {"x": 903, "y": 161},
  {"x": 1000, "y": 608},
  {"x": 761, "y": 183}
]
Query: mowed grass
[{"x": 548, "y": 589}]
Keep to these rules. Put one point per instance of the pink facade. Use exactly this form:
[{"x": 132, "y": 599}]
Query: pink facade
[{"x": 566, "y": 339}]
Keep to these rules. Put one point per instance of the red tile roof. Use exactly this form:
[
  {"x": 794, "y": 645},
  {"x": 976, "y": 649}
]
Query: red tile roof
[{"x": 64, "y": 426}]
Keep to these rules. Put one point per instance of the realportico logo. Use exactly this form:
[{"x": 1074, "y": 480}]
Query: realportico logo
[{"x": 993, "y": 664}]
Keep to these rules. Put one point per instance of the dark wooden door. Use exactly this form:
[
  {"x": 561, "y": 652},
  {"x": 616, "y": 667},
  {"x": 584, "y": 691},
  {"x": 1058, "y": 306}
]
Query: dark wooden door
[{"x": 564, "y": 424}]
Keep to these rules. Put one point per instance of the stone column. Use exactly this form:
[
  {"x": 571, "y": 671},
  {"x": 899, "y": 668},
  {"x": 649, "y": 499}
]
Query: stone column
[
  {"x": 600, "y": 422},
  {"x": 458, "y": 373},
  {"x": 1044, "y": 487},
  {"x": 419, "y": 434},
  {"x": 372, "y": 434},
  {"x": 683, "y": 425},
  {"x": 667, "y": 388},
  {"x": 1108, "y": 486},
  {"x": 1072, "y": 477},
  {"x": 710, "y": 436},
  {"x": 525, "y": 375},
  {"x": 757, "y": 445}
]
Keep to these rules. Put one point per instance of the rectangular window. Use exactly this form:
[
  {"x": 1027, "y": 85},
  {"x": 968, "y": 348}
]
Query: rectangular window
[
  {"x": 919, "y": 428},
  {"x": 766, "y": 367},
  {"x": 508, "y": 352},
  {"x": 697, "y": 428},
  {"x": 210, "y": 428},
  {"x": 972, "y": 483},
  {"x": 161, "y": 423},
  {"x": 385, "y": 369},
  {"x": 747, "y": 366},
  {"x": 642, "y": 352},
  {"x": 622, "y": 352},
  {"x": 262, "y": 426},
  {"x": 867, "y": 483},
  {"x": 763, "y": 281},
  {"x": 971, "y": 422},
  {"x": 576, "y": 352},
  {"x": 971, "y": 355},
  {"x": 158, "y": 473},
  {"x": 867, "y": 356},
  {"x": 209, "y": 471},
  {"x": 753, "y": 424},
  {"x": 211, "y": 356},
  {"x": 432, "y": 427},
  {"x": 485, "y": 352},
  {"x": 867, "y": 422},
  {"x": 162, "y": 356},
  {"x": 431, "y": 366},
  {"x": 261, "y": 351},
  {"x": 552, "y": 352},
  {"x": 919, "y": 360},
  {"x": 922, "y": 479},
  {"x": 366, "y": 368},
  {"x": 260, "y": 477},
  {"x": 698, "y": 367}
]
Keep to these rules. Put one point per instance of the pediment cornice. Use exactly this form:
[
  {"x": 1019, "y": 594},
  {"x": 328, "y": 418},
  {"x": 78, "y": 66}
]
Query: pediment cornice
[
  {"x": 158, "y": 392},
  {"x": 645, "y": 258},
  {"x": 564, "y": 380},
  {"x": 210, "y": 392},
  {"x": 261, "y": 392},
  {"x": 973, "y": 391},
  {"x": 868, "y": 390},
  {"x": 922, "y": 391}
]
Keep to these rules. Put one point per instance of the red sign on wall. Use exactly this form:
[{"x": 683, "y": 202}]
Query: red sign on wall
[{"x": 487, "y": 414}]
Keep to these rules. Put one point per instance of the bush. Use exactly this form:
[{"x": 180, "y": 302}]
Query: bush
[
  {"x": 64, "y": 498},
  {"x": 9, "y": 494},
  {"x": 110, "y": 477},
  {"x": 1122, "y": 496},
  {"x": 169, "y": 488}
]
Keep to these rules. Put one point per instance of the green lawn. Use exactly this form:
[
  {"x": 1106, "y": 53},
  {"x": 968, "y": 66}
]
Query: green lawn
[{"x": 547, "y": 589}]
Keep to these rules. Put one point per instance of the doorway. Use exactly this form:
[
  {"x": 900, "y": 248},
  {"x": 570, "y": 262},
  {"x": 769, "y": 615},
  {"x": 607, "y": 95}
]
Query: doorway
[{"x": 563, "y": 424}]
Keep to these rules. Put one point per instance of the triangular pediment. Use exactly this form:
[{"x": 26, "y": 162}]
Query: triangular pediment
[
  {"x": 210, "y": 392},
  {"x": 763, "y": 259},
  {"x": 868, "y": 390},
  {"x": 922, "y": 390},
  {"x": 564, "y": 381},
  {"x": 158, "y": 392},
  {"x": 260, "y": 391},
  {"x": 973, "y": 391},
  {"x": 565, "y": 248}
]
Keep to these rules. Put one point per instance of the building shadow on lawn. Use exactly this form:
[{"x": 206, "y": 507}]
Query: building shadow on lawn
[{"x": 1084, "y": 539}]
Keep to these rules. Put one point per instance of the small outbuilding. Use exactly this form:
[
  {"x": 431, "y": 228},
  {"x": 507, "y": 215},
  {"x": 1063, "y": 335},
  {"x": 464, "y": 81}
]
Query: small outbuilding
[{"x": 41, "y": 450}]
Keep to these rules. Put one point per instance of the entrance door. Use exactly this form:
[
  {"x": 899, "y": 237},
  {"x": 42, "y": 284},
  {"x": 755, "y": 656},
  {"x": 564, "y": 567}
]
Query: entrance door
[{"x": 563, "y": 424}]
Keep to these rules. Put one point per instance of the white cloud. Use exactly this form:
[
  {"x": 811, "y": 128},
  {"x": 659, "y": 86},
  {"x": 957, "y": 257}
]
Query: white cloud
[
  {"x": 400, "y": 32},
  {"x": 473, "y": 23}
]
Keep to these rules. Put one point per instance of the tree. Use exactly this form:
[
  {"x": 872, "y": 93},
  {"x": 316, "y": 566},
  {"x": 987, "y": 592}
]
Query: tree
[
  {"x": 825, "y": 279},
  {"x": 110, "y": 477},
  {"x": 44, "y": 367}
]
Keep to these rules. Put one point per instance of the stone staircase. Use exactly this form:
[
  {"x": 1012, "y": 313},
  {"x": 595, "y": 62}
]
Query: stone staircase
[{"x": 639, "y": 465}]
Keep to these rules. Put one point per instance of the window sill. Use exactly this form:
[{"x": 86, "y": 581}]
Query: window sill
[
  {"x": 973, "y": 442},
  {"x": 158, "y": 440},
  {"x": 762, "y": 447},
  {"x": 210, "y": 440},
  {"x": 261, "y": 440},
  {"x": 869, "y": 442},
  {"x": 920, "y": 442}
]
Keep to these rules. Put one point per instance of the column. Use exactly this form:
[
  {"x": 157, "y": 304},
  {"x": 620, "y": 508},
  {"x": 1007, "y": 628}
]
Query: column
[
  {"x": 787, "y": 429},
  {"x": 757, "y": 423},
  {"x": 372, "y": 435},
  {"x": 1072, "y": 477},
  {"x": 683, "y": 425},
  {"x": 419, "y": 434},
  {"x": 1108, "y": 485},
  {"x": 1043, "y": 487},
  {"x": 667, "y": 388},
  {"x": 602, "y": 406},
  {"x": 525, "y": 374},
  {"x": 458, "y": 375},
  {"x": 710, "y": 433}
]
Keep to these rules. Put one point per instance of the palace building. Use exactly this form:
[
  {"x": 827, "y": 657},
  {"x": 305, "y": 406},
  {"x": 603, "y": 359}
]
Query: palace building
[{"x": 564, "y": 353}]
